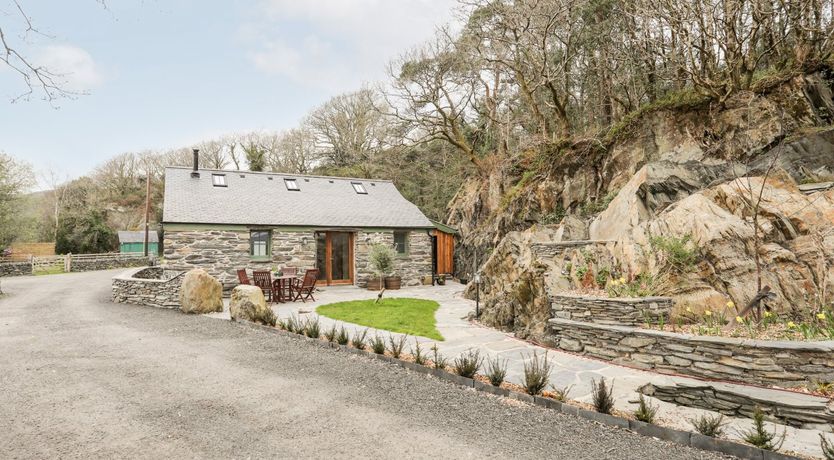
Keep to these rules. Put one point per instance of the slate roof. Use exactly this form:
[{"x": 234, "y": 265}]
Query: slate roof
[
  {"x": 258, "y": 198},
  {"x": 138, "y": 237}
]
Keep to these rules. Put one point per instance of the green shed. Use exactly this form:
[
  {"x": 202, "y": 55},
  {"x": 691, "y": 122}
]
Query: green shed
[{"x": 134, "y": 242}]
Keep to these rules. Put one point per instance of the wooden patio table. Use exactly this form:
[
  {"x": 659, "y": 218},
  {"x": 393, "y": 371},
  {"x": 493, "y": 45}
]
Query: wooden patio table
[{"x": 280, "y": 283}]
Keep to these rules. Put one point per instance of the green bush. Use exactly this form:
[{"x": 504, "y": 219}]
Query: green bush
[
  {"x": 468, "y": 363},
  {"x": 378, "y": 345},
  {"x": 342, "y": 338},
  {"x": 417, "y": 353},
  {"x": 496, "y": 371},
  {"x": 358, "y": 340},
  {"x": 680, "y": 253},
  {"x": 603, "y": 396},
  {"x": 312, "y": 328},
  {"x": 759, "y": 436},
  {"x": 707, "y": 425},
  {"x": 381, "y": 259},
  {"x": 438, "y": 360},
  {"x": 331, "y": 333},
  {"x": 396, "y": 345},
  {"x": 645, "y": 412},
  {"x": 536, "y": 374}
]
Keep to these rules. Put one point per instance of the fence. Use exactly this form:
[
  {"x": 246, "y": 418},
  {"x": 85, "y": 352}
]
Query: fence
[{"x": 13, "y": 266}]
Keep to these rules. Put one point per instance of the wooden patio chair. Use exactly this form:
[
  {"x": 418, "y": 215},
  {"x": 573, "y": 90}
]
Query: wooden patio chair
[
  {"x": 263, "y": 279},
  {"x": 305, "y": 287},
  {"x": 242, "y": 277},
  {"x": 289, "y": 271}
]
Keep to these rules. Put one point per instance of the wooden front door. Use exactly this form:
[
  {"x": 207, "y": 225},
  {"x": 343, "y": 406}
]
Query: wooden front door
[{"x": 334, "y": 257}]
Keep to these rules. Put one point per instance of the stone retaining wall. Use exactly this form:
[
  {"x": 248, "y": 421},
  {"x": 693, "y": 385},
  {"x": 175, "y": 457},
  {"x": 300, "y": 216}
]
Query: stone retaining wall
[
  {"x": 151, "y": 286},
  {"x": 782, "y": 363},
  {"x": 602, "y": 310},
  {"x": 795, "y": 409},
  {"x": 15, "y": 268}
]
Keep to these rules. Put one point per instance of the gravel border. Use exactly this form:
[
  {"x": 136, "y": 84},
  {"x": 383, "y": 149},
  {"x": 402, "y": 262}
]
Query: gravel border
[{"x": 684, "y": 438}]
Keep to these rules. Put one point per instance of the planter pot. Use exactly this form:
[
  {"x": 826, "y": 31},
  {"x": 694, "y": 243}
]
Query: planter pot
[
  {"x": 375, "y": 284},
  {"x": 392, "y": 282}
]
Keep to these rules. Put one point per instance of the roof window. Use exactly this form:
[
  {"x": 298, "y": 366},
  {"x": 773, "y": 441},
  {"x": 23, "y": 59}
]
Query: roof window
[
  {"x": 359, "y": 188},
  {"x": 292, "y": 185},
  {"x": 218, "y": 180}
]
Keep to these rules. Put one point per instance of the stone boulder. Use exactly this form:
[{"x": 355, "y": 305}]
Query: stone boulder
[
  {"x": 248, "y": 304},
  {"x": 200, "y": 293}
]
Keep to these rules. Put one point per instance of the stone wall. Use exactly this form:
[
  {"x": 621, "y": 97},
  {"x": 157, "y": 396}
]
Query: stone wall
[
  {"x": 151, "y": 286},
  {"x": 411, "y": 267},
  {"x": 83, "y": 264},
  {"x": 15, "y": 268},
  {"x": 222, "y": 253},
  {"x": 795, "y": 409},
  {"x": 782, "y": 363},
  {"x": 602, "y": 310}
]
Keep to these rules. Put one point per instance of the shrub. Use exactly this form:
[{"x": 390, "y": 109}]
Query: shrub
[
  {"x": 708, "y": 425},
  {"x": 759, "y": 436},
  {"x": 281, "y": 324},
  {"x": 643, "y": 285},
  {"x": 381, "y": 259},
  {"x": 312, "y": 328},
  {"x": 342, "y": 338},
  {"x": 359, "y": 339},
  {"x": 496, "y": 370},
  {"x": 536, "y": 374},
  {"x": 645, "y": 411},
  {"x": 331, "y": 333},
  {"x": 468, "y": 363},
  {"x": 378, "y": 345},
  {"x": 678, "y": 252},
  {"x": 417, "y": 352},
  {"x": 396, "y": 345},
  {"x": 561, "y": 394},
  {"x": 438, "y": 360},
  {"x": 827, "y": 448},
  {"x": 602, "y": 396},
  {"x": 294, "y": 325}
]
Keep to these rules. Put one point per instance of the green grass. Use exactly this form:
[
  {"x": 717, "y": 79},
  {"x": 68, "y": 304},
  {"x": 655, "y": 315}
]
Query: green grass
[
  {"x": 404, "y": 315},
  {"x": 49, "y": 271}
]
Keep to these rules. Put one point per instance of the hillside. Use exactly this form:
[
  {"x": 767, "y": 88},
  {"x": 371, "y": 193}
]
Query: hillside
[{"x": 677, "y": 202}]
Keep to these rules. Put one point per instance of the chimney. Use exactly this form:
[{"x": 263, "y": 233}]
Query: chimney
[{"x": 194, "y": 173}]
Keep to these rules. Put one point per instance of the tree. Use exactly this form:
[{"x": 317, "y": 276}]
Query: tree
[
  {"x": 86, "y": 232},
  {"x": 15, "y": 178}
]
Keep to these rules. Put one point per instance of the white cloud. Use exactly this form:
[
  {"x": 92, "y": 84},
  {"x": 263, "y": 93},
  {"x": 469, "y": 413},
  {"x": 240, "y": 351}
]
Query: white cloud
[
  {"x": 339, "y": 44},
  {"x": 74, "y": 66}
]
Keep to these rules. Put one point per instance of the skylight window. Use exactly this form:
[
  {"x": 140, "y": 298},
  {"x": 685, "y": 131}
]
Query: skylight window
[
  {"x": 291, "y": 184},
  {"x": 359, "y": 188},
  {"x": 219, "y": 180}
]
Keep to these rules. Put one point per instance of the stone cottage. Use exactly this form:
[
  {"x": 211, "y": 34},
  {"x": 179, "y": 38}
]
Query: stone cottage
[{"x": 225, "y": 220}]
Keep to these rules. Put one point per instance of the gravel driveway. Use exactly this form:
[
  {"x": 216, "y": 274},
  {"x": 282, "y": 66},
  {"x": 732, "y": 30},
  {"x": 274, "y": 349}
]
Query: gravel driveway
[{"x": 82, "y": 377}]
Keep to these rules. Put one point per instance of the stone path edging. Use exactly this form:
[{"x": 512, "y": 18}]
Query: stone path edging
[{"x": 684, "y": 438}]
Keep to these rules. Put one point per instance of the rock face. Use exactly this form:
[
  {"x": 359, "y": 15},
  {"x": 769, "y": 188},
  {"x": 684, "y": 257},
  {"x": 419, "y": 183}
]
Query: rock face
[
  {"x": 248, "y": 304},
  {"x": 683, "y": 174},
  {"x": 200, "y": 293}
]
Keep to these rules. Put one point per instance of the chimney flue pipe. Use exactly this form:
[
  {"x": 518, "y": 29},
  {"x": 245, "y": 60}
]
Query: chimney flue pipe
[{"x": 194, "y": 172}]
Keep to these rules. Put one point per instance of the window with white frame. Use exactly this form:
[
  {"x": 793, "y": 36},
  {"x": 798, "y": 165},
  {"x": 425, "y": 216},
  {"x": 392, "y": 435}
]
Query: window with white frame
[
  {"x": 219, "y": 180},
  {"x": 292, "y": 185},
  {"x": 359, "y": 188}
]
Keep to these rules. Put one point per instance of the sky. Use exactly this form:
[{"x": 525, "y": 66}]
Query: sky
[{"x": 158, "y": 74}]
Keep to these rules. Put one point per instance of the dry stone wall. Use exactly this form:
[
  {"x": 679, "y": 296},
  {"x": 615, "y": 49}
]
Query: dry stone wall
[
  {"x": 602, "y": 310},
  {"x": 795, "y": 409},
  {"x": 84, "y": 264},
  {"x": 15, "y": 268},
  {"x": 152, "y": 286},
  {"x": 782, "y": 363}
]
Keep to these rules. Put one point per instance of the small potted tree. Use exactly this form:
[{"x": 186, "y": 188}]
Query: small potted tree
[{"x": 381, "y": 261}]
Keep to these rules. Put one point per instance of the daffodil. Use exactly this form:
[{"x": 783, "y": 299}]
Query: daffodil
[
  {"x": 688, "y": 310},
  {"x": 791, "y": 324},
  {"x": 820, "y": 315},
  {"x": 768, "y": 314},
  {"x": 739, "y": 319},
  {"x": 622, "y": 280},
  {"x": 731, "y": 304},
  {"x": 708, "y": 313},
  {"x": 614, "y": 282}
]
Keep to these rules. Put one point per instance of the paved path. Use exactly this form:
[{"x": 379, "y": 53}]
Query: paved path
[
  {"x": 81, "y": 377},
  {"x": 568, "y": 369}
]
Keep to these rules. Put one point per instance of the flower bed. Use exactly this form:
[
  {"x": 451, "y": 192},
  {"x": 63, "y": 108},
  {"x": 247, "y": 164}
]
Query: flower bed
[{"x": 781, "y": 363}]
